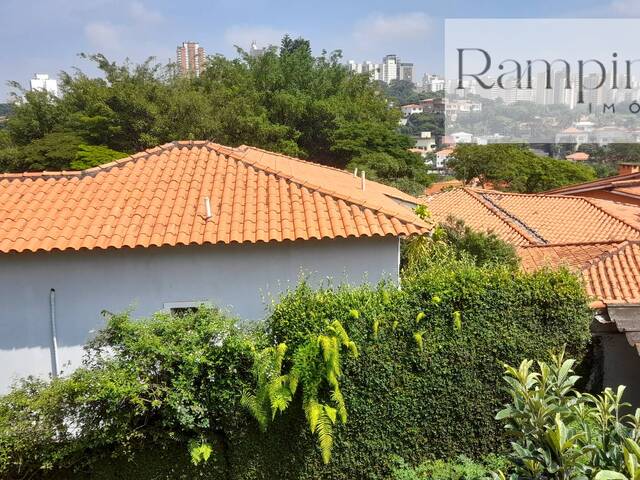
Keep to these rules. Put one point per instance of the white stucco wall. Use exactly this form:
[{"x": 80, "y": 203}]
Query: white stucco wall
[{"x": 234, "y": 277}]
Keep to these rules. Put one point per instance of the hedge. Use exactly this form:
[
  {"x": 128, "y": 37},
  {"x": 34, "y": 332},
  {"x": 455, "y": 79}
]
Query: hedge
[{"x": 438, "y": 401}]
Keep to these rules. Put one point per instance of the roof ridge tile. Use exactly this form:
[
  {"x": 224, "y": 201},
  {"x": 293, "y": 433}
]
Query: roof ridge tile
[{"x": 511, "y": 220}]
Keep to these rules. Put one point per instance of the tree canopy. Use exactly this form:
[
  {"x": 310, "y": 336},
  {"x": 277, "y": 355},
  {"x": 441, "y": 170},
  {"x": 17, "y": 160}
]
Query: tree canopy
[
  {"x": 515, "y": 168},
  {"x": 402, "y": 92},
  {"x": 285, "y": 100}
]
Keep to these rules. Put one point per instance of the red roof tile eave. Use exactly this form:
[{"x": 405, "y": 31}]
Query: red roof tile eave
[
  {"x": 96, "y": 247},
  {"x": 599, "y": 184}
]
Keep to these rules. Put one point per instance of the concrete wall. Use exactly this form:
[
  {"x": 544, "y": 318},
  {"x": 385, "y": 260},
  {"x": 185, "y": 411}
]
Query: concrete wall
[
  {"x": 238, "y": 278},
  {"x": 621, "y": 366}
]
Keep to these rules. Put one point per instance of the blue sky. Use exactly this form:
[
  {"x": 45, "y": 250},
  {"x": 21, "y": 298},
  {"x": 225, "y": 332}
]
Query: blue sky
[{"x": 45, "y": 36}]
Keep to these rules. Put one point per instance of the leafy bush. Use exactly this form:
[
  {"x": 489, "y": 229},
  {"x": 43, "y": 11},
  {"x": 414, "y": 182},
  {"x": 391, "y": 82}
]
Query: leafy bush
[
  {"x": 484, "y": 248},
  {"x": 93, "y": 155},
  {"x": 462, "y": 468},
  {"x": 561, "y": 433},
  {"x": 157, "y": 381},
  {"x": 437, "y": 401},
  {"x": 425, "y": 383}
]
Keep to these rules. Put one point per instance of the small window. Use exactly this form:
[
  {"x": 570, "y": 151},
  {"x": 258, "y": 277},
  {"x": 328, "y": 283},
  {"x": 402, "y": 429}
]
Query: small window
[{"x": 184, "y": 308}]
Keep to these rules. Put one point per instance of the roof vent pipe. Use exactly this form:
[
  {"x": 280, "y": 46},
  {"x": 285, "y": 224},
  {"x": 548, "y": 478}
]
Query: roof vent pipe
[
  {"x": 363, "y": 180},
  {"x": 355, "y": 172},
  {"x": 207, "y": 208}
]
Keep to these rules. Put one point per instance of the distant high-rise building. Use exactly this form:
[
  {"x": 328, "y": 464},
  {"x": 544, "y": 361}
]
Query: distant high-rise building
[
  {"x": 373, "y": 69},
  {"x": 190, "y": 58},
  {"x": 390, "y": 68},
  {"x": 406, "y": 72},
  {"x": 433, "y": 83},
  {"x": 43, "y": 83}
]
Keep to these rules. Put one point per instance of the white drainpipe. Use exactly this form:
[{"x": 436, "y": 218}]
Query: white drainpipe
[{"x": 54, "y": 335}]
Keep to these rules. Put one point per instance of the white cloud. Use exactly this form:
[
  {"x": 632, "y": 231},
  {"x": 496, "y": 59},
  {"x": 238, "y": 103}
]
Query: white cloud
[
  {"x": 141, "y": 14},
  {"x": 392, "y": 29},
  {"x": 243, "y": 35},
  {"x": 103, "y": 36}
]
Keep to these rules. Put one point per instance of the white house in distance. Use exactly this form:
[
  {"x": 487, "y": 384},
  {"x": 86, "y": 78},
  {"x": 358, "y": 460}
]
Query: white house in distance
[
  {"x": 424, "y": 143},
  {"x": 174, "y": 227},
  {"x": 411, "y": 109},
  {"x": 462, "y": 137},
  {"x": 442, "y": 158}
]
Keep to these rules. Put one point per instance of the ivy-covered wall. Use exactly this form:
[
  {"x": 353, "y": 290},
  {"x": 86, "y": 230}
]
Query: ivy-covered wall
[{"x": 431, "y": 403}]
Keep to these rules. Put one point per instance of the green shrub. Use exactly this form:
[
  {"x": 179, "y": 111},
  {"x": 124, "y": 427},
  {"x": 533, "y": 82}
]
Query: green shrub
[
  {"x": 462, "y": 468},
  {"x": 560, "y": 433},
  {"x": 93, "y": 155},
  {"x": 164, "y": 380},
  {"x": 434, "y": 402},
  {"x": 483, "y": 248}
]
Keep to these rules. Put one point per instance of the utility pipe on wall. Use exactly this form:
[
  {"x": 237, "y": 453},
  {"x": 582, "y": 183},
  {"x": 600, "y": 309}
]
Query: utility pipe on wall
[{"x": 54, "y": 335}]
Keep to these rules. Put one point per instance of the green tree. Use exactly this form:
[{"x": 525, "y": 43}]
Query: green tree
[
  {"x": 38, "y": 115},
  {"x": 515, "y": 168},
  {"x": 5, "y": 109},
  {"x": 425, "y": 122},
  {"x": 285, "y": 100},
  {"x": 402, "y": 92},
  {"x": 89, "y": 156},
  {"x": 54, "y": 151}
]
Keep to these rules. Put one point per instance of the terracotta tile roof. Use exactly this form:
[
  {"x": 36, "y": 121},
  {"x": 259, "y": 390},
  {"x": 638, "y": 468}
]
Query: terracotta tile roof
[
  {"x": 628, "y": 184},
  {"x": 157, "y": 197},
  {"x": 466, "y": 204},
  {"x": 445, "y": 151},
  {"x": 538, "y": 219},
  {"x": 624, "y": 211},
  {"x": 615, "y": 276},
  {"x": 578, "y": 157},
  {"x": 570, "y": 255},
  {"x": 559, "y": 219},
  {"x": 611, "y": 271},
  {"x": 438, "y": 187}
]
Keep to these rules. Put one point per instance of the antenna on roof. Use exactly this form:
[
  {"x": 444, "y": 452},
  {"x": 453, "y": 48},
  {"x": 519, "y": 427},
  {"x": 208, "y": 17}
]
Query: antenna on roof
[
  {"x": 355, "y": 172},
  {"x": 363, "y": 180},
  {"x": 207, "y": 208}
]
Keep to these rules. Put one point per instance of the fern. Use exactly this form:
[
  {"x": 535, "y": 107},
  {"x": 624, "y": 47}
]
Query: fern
[
  {"x": 324, "y": 431},
  {"x": 315, "y": 364},
  {"x": 251, "y": 403},
  {"x": 273, "y": 393},
  {"x": 341, "y": 407}
]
